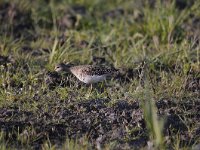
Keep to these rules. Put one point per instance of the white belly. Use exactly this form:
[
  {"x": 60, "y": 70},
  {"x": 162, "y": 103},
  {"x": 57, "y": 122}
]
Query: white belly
[{"x": 92, "y": 79}]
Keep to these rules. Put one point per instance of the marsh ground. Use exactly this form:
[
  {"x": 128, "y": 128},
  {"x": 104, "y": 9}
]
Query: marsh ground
[{"x": 153, "y": 102}]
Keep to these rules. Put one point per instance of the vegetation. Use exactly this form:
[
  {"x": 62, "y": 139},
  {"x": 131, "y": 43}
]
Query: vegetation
[{"x": 153, "y": 102}]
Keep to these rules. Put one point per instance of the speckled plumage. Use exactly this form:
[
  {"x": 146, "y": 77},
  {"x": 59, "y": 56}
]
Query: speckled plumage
[
  {"x": 89, "y": 73},
  {"x": 92, "y": 70}
]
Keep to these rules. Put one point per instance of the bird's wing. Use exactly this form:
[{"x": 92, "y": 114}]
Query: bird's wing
[{"x": 96, "y": 70}]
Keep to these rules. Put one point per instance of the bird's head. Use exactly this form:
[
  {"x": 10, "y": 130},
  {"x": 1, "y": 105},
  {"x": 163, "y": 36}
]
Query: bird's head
[{"x": 63, "y": 67}]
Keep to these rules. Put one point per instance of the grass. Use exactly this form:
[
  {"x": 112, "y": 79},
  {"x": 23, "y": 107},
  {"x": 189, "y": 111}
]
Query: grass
[{"x": 154, "y": 46}]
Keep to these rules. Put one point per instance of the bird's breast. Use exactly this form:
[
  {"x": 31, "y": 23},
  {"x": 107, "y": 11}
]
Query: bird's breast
[{"x": 92, "y": 78}]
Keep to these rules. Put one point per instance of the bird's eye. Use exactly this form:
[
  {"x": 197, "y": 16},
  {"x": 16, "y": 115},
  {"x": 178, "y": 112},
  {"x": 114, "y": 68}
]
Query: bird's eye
[{"x": 57, "y": 67}]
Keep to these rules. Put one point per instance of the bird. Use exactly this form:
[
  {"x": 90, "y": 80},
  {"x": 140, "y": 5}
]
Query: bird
[{"x": 88, "y": 74}]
